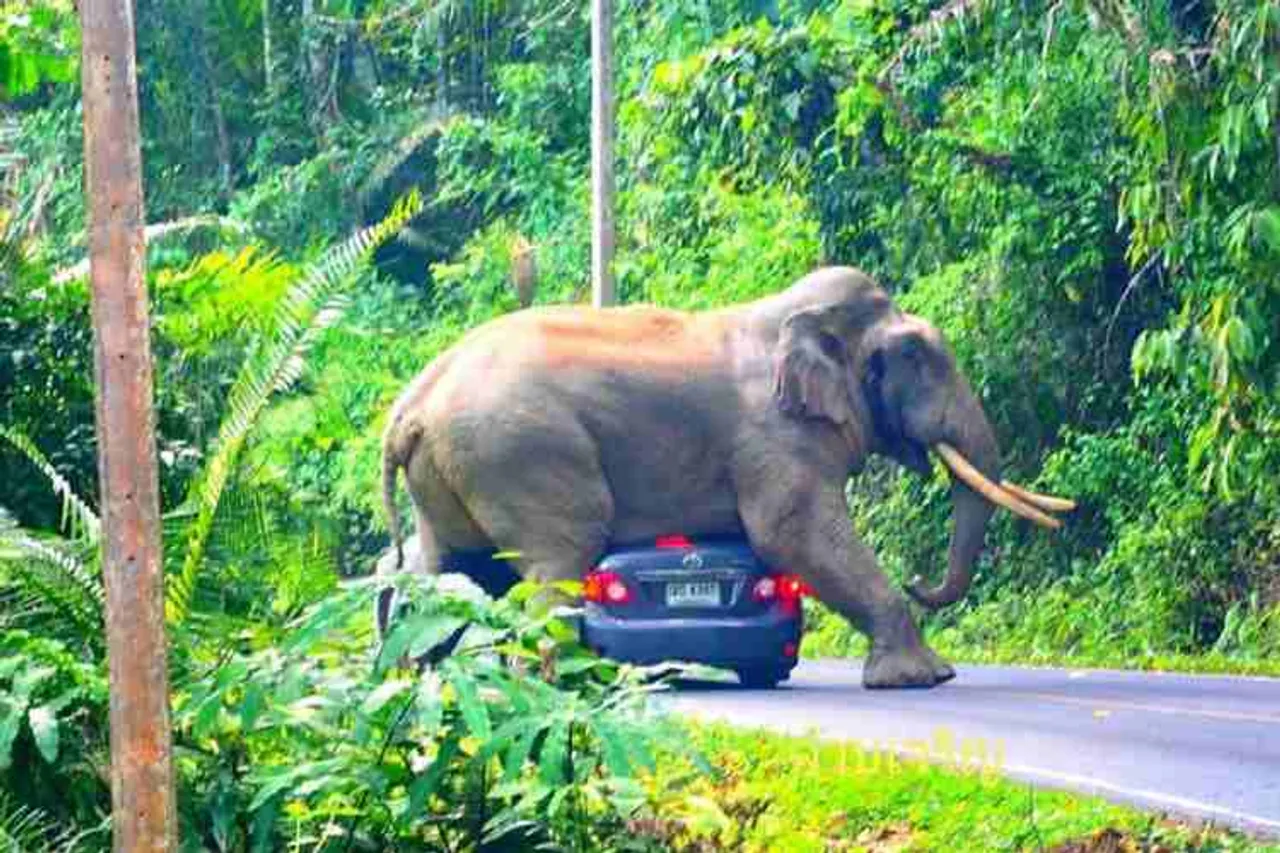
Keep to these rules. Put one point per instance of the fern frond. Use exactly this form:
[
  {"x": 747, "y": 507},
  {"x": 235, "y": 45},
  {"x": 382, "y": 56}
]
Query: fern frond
[
  {"x": 307, "y": 308},
  {"x": 157, "y": 231},
  {"x": 79, "y": 521},
  {"x": 22, "y": 828},
  {"x": 52, "y": 575},
  {"x": 30, "y": 830}
]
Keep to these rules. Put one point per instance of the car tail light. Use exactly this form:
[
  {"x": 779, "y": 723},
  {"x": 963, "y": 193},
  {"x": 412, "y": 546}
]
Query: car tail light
[
  {"x": 676, "y": 541},
  {"x": 785, "y": 588},
  {"x": 793, "y": 587},
  {"x": 606, "y": 588}
]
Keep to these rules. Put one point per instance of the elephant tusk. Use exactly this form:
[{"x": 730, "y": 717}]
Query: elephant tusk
[
  {"x": 971, "y": 476},
  {"x": 1045, "y": 502}
]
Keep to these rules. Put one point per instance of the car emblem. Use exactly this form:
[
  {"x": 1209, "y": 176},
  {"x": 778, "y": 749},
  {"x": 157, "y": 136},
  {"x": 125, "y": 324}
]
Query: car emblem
[{"x": 692, "y": 560}]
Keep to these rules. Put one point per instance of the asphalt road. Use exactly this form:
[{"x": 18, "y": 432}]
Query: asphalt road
[{"x": 1205, "y": 747}]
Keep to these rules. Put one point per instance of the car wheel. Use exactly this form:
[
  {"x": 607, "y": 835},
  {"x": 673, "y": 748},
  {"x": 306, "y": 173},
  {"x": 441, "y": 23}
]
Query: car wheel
[{"x": 759, "y": 679}]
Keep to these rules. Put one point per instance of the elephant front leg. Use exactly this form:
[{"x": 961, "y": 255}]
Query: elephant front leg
[{"x": 811, "y": 534}]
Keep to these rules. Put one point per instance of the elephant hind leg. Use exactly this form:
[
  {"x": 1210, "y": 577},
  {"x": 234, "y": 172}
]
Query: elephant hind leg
[
  {"x": 552, "y": 538},
  {"x": 551, "y": 505},
  {"x": 809, "y": 532},
  {"x": 441, "y": 524}
]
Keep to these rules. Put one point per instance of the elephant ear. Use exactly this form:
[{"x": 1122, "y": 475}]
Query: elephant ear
[{"x": 811, "y": 370}]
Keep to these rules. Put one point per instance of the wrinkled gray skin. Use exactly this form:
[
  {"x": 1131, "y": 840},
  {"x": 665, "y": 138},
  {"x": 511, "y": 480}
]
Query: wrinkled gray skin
[{"x": 552, "y": 432}]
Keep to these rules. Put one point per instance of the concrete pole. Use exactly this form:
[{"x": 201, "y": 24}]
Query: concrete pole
[
  {"x": 603, "y": 292},
  {"x": 144, "y": 816}
]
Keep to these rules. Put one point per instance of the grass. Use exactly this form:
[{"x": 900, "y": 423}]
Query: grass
[
  {"x": 779, "y": 792},
  {"x": 828, "y": 635},
  {"x": 1208, "y": 663}
]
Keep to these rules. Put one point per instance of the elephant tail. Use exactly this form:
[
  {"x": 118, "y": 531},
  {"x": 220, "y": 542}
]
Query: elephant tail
[
  {"x": 391, "y": 462},
  {"x": 394, "y": 458}
]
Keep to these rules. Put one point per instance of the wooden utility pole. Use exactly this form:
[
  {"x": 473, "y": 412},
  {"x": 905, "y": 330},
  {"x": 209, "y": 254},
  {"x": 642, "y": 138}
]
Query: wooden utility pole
[
  {"x": 144, "y": 816},
  {"x": 602, "y": 234}
]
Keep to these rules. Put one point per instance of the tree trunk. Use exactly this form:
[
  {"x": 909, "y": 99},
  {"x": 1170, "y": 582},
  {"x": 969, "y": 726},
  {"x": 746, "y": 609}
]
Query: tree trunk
[
  {"x": 144, "y": 816},
  {"x": 313, "y": 64},
  {"x": 602, "y": 228},
  {"x": 222, "y": 139}
]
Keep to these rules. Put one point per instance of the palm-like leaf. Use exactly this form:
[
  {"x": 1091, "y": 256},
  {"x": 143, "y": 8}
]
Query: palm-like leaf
[
  {"x": 309, "y": 307},
  {"x": 50, "y": 580},
  {"x": 78, "y": 520},
  {"x": 27, "y": 830}
]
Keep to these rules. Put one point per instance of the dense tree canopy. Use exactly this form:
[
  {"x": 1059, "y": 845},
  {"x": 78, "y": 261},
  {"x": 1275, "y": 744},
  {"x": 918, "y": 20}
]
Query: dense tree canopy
[{"x": 1083, "y": 194}]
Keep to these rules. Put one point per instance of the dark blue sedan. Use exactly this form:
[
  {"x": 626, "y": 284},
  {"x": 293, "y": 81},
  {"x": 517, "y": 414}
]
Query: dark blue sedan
[{"x": 712, "y": 602}]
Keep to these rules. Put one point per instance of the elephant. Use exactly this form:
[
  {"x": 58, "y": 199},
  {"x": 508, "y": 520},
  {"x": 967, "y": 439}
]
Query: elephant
[{"x": 555, "y": 432}]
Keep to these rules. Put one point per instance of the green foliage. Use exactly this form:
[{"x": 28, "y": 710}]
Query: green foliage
[
  {"x": 311, "y": 304},
  {"x": 51, "y": 581},
  {"x": 23, "y": 828},
  {"x": 1081, "y": 195},
  {"x": 800, "y": 793},
  {"x": 37, "y": 44},
  {"x": 52, "y": 733},
  {"x": 737, "y": 243},
  {"x": 1049, "y": 189},
  {"x": 78, "y": 520},
  {"x": 520, "y": 736}
]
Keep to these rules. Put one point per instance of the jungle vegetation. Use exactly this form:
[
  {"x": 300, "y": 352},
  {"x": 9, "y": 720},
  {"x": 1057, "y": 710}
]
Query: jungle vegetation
[{"x": 1083, "y": 194}]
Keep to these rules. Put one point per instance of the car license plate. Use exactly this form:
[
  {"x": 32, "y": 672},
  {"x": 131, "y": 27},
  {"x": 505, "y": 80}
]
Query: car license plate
[{"x": 698, "y": 594}]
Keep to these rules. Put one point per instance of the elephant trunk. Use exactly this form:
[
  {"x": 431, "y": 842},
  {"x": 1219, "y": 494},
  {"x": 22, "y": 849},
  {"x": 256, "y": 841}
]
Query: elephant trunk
[{"x": 974, "y": 440}]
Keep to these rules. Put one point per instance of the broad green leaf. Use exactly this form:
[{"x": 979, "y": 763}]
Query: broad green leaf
[
  {"x": 425, "y": 785},
  {"x": 503, "y": 737},
  {"x": 639, "y": 754},
  {"x": 26, "y": 682},
  {"x": 44, "y": 728},
  {"x": 251, "y": 705},
  {"x": 385, "y": 692},
  {"x": 518, "y": 753},
  {"x": 554, "y": 749},
  {"x": 207, "y": 716},
  {"x": 431, "y": 632},
  {"x": 286, "y": 778},
  {"x": 11, "y": 715},
  {"x": 415, "y": 636},
  {"x": 1267, "y": 223},
  {"x": 615, "y": 754},
  {"x": 1239, "y": 339},
  {"x": 556, "y": 803},
  {"x": 576, "y": 665},
  {"x": 8, "y": 666},
  {"x": 470, "y": 705}
]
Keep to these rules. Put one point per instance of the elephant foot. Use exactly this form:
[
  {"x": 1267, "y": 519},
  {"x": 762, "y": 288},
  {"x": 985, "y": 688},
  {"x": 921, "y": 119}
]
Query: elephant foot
[{"x": 905, "y": 666}]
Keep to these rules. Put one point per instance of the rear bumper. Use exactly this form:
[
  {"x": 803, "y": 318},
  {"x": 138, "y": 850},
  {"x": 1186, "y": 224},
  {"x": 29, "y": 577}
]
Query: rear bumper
[{"x": 758, "y": 641}]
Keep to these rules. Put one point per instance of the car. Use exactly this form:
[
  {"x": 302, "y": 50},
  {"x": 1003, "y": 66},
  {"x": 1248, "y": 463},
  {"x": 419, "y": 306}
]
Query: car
[{"x": 712, "y": 602}]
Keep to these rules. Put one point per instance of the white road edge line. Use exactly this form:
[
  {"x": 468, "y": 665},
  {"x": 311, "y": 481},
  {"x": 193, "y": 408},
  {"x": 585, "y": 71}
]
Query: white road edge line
[
  {"x": 1071, "y": 782},
  {"x": 1091, "y": 784}
]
